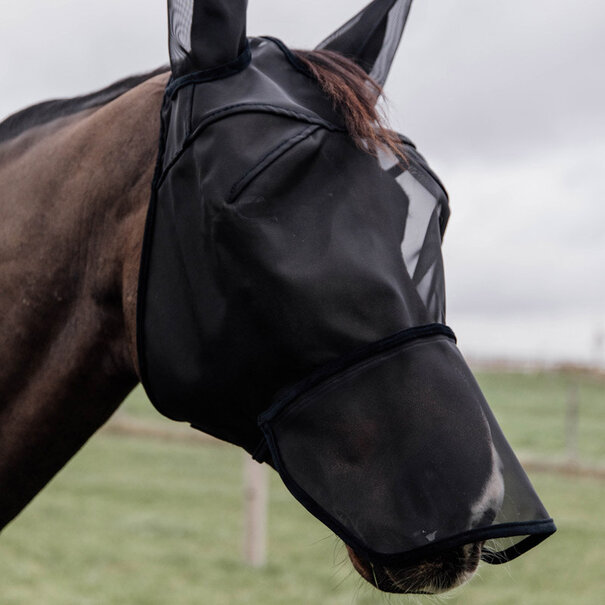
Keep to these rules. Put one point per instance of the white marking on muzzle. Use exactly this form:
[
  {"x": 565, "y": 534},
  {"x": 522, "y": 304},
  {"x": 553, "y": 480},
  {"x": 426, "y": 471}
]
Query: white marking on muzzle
[{"x": 492, "y": 495}]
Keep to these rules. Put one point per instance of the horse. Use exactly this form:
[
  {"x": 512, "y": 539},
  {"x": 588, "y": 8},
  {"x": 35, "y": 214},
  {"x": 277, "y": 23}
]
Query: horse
[{"x": 75, "y": 183}]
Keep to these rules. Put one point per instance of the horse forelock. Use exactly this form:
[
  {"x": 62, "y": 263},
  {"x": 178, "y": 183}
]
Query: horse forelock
[{"x": 48, "y": 111}]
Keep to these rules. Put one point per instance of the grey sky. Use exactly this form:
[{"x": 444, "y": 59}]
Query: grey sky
[{"x": 505, "y": 99}]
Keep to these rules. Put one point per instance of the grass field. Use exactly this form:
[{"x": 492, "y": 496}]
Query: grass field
[{"x": 136, "y": 520}]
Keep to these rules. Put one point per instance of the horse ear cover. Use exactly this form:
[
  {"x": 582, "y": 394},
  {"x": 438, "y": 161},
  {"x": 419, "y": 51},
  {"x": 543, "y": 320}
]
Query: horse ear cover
[
  {"x": 372, "y": 36},
  {"x": 205, "y": 34}
]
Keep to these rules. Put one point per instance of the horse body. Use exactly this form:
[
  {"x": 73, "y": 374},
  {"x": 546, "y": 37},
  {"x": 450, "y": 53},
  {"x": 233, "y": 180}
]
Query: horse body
[{"x": 74, "y": 194}]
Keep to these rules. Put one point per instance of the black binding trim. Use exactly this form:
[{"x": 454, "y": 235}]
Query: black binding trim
[
  {"x": 329, "y": 370},
  {"x": 146, "y": 254},
  {"x": 540, "y": 530},
  {"x": 273, "y": 155},
  {"x": 216, "y": 73},
  {"x": 350, "y": 359},
  {"x": 238, "y": 108},
  {"x": 290, "y": 56}
]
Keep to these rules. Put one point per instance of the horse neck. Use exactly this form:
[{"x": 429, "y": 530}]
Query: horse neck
[{"x": 72, "y": 210}]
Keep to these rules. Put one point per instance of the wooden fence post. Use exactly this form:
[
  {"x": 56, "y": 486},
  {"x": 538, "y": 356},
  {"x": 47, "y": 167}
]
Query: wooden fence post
[
  {"x": 255, "y": 512},
  {"x": 572, "y": 417}
]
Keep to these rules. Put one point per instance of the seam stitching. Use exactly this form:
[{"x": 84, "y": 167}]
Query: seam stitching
[{"x": 270, "y": 157}]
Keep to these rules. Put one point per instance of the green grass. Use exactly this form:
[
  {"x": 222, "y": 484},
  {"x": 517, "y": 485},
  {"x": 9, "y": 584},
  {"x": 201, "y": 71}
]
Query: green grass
[
  {"x": 145, "y": 521},
  {"x": 531, "y": 410}
]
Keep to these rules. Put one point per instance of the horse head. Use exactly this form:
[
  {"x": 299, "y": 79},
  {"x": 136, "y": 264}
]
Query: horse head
[{"x": 292, "y": 300}]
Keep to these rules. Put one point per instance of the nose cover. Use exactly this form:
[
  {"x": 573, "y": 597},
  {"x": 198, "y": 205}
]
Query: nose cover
[
  {"x": 396, "y": 450},
  {"x": 291, "y": 301}
]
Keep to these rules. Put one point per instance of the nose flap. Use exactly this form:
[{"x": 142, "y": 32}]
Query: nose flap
[{"x": 395, "y": 449}]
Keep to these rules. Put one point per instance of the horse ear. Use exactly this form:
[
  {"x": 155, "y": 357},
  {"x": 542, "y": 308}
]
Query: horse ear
[
  {"x": 372, "y": 36},
  {"x": 205, "y": 34}
]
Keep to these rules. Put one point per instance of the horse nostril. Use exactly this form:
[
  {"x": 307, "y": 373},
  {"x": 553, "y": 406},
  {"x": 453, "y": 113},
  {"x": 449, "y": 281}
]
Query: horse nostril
[{"x": 472, "y": 556}]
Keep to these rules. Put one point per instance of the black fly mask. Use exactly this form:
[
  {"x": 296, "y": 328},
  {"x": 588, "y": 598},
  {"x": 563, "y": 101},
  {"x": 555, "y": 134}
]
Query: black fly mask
[{"x": 292, "y": 299}]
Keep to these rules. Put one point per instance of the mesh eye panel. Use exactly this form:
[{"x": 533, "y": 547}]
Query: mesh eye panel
[{"x": 421, "y": 244}]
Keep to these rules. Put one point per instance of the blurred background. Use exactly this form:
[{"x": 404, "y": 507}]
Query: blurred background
[{"x": 507, "y": 103}]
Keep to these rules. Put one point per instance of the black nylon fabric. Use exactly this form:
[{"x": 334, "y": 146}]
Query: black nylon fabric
[{"x": 275, "y": 253}]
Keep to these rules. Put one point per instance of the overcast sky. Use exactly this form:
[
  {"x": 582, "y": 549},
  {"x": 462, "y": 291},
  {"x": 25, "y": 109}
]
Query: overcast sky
[{"x": 506, "y": 100}]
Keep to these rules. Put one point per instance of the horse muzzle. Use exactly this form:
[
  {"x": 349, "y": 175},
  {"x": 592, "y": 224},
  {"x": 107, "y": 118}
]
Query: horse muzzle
[
  {"x": 395, "y": 449},
  {"x": 433, "y": 575}
]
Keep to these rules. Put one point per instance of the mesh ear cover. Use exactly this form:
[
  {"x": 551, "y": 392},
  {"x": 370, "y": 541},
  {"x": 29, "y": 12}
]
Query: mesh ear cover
[{"x": 399, "y": 455}]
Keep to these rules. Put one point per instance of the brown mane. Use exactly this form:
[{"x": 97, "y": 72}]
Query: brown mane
[{"x": 354, "y": 94}]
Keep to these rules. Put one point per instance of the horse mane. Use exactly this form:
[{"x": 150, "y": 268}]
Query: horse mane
[
  {"x": 352, "y": 91},
  {"x": 354, "y": 95},
  {"x": 47, "y": 111}
]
